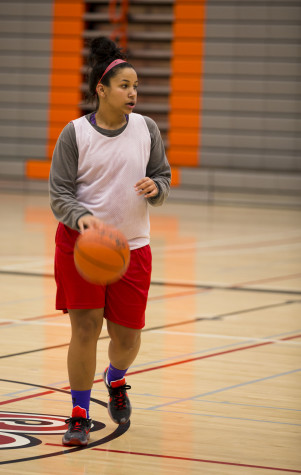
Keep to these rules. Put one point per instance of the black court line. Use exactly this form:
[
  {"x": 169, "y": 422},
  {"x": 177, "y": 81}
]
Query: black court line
[
  {"x": 175, "y": 324},
  {"x": 26, "y": 274},
  {"x": 121, "y": 429},
  {"x": 227, "y": 287},
  {"x": 50, "y": 388},
  {"x": 174, "y": 284}
]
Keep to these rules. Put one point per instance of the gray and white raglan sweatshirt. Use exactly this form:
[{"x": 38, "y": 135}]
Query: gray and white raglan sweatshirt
[{"x": 94, "y": 171}]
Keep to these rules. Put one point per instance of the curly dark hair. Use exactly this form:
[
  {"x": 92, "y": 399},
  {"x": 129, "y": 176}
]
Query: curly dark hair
[{"x": 102, "y": 52}]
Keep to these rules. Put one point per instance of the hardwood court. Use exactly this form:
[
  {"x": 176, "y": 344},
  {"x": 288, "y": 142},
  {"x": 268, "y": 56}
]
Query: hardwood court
[{"x": 216, "y": 386}]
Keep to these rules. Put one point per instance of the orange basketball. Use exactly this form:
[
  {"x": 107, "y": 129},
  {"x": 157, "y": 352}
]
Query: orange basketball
[{"x": 101, "y": 256}]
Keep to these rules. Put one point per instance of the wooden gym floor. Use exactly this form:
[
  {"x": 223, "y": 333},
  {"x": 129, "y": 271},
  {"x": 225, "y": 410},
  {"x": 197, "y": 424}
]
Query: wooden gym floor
[{"x": 216, "y": 387}]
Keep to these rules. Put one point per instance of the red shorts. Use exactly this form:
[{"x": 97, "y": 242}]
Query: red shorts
[{"x": 124, "y": 302}]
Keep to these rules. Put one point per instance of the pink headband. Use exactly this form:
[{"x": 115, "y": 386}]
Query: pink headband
[{"x": 111, "y": 65}]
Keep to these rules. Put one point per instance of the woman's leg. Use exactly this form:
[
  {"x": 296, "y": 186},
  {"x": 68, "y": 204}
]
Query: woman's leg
[
  {"x": 124, "y": 345},
  {"x": 123, "y": 349},
  {"x": 86, "y": 325}
]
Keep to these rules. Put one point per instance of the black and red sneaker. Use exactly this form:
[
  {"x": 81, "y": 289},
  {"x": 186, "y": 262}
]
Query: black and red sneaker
[
  {"x": 119, "y": 406},
  {"x": 78, "y": 432}
]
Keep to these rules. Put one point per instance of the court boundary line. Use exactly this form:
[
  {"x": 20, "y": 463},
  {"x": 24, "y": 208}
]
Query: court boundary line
[
  {"x": 235, "y": 287},
  {"x": 236, "y": 464},
  {"x": 210, "y": 355},
  {"x": 119, "y": 431},
  {"x": 199, "y": 460},
  {"x": 144, "y": 370},
  {"x": 198, "y": 397},
  {"x": 175, "y": 357},
  {"x": 183, "y": 322},
  {"x": 218, "y": 336}
]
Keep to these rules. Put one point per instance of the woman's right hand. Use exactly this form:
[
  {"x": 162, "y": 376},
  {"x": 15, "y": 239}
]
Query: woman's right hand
[{"x": 88, "y": 221}]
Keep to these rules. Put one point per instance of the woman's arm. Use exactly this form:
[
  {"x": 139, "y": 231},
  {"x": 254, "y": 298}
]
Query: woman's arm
[
  {"x": 62, "y": 180},
  {"x": 158, "y": 168}
]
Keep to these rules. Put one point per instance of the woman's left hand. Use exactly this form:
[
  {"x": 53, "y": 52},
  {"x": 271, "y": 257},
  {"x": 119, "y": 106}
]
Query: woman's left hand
[{"x": 146, "y": 187}]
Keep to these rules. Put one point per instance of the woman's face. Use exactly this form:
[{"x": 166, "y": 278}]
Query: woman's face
[{"x": 121, "y": 95}]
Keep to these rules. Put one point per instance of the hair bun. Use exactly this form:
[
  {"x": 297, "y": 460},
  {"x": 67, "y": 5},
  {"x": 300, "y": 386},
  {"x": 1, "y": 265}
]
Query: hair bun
[{"x": 104, "y": 50}]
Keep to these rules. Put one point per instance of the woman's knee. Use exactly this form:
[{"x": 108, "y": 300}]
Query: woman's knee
[
  {"x": 86, "y": 324},
  {"x": 125, "y": 338}
]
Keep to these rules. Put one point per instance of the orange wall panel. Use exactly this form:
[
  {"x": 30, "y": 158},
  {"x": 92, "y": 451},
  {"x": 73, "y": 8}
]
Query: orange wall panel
[
  {"x": 71, "y": 9},
  {"x": 66, "y": 62},
  {"x": 65, "y": 80},
  {"x": 184, "y": 82},
  {"x": 175, "y": 176},
  {"x": 175, "y": 156},
  {"x": 59, "y": 97},
  {"x": 185, "y": 100},
  {"x": 185, "y": 30},
  {"x": 187, "y": 66},
  {"x": 54, "y": 132},
  {"x": 60, "y": 27},
  {"x": 62, "y": 115},
  {"x": 190, "y": 11},
  {"x": 65, "y": 76},
  {"x": 180, "y": 120},
  {"x": 178, "y": 137},
  {"x": 66, "y": 44},
  {"x": 187, "y": 48},
  {"x": 38, "y": 170}
]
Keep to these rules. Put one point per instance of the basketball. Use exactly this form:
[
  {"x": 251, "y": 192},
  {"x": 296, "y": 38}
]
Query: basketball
[{"x": 101, "y": 256}]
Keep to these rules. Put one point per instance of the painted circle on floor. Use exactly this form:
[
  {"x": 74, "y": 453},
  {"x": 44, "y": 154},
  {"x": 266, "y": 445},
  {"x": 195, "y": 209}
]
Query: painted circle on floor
[{"x": 20, "y": 430}]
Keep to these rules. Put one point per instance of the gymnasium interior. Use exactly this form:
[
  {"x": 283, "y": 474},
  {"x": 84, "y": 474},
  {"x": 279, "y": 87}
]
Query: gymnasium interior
[{"x": 216, "y": 386}]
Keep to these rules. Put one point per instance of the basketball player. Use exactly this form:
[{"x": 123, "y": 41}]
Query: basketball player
[{"x": 107, "y": 167}]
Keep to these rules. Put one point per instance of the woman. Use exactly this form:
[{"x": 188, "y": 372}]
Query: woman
[{"x": 106, "y": 167}]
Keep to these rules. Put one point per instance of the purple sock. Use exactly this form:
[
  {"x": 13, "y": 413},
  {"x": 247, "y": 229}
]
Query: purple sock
[
  {"x": 82, "y": 399},
  {"x": 114, "y": 374}
]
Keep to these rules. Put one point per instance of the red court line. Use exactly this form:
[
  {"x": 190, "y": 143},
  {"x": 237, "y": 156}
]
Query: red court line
[
  {"x": 177, "y": 294},
  {"x": 40, "y": 317},
  {"x": 26, "y": 397},
  {"x": 290, "y": 337},
  {"x": 199, "y": 460},
  {"x": 188, "y": 459},
  {"x": 180, "y": 294},
  {"x": 203, "y": 357},
  {"x": 167, "y": 365}
]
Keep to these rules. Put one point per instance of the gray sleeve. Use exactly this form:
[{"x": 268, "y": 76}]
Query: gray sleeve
[
  {"x": 62, "y": 179},
  {"x": 158, "y": 168}
]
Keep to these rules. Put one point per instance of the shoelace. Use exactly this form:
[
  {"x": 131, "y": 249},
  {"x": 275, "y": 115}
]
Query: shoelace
[
  {"x": 77, "y": 423},
  {"x": 119, "y": 396}
]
